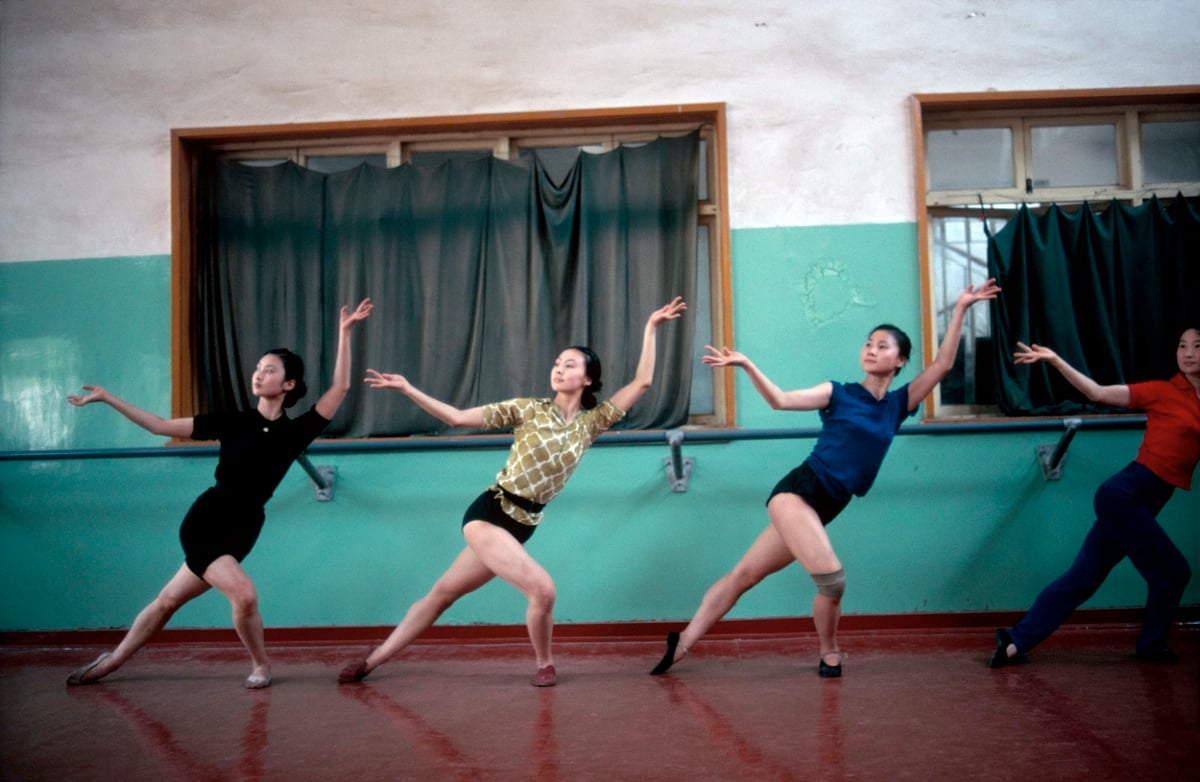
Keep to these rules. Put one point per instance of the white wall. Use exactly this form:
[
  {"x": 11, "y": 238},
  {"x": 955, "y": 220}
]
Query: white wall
[{"x": 817, "y": 91}]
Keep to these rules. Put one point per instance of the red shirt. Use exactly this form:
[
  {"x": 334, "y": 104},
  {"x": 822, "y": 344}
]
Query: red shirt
[{"x": 1171, "y": 447}]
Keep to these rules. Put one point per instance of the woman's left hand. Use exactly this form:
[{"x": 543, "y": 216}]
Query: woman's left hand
[
  {"x": 667, "y": 312},
  {"x": 989, "y": 290},
  {"x": 360, "y": 313}
]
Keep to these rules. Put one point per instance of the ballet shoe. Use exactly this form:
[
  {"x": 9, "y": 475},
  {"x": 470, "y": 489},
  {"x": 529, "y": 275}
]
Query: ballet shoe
[
  {"x": 827, "y": 671},
  {"x": 1000, "y": 656},
  {"x": 259, "y": 678},
  {"x": 668, "y": 658},
  {"x": 79, "y": 676},
  {"x": 545, "y": 677},
  {"x": 1160, "y": 655},
  {"x": 353, "y": 672}
]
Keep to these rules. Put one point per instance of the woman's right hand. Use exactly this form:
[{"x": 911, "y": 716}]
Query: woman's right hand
[
  {"x": 97, "y": 394},
  {"x": 386, "y": 380},
  {"x": 1032, "y": 354}
]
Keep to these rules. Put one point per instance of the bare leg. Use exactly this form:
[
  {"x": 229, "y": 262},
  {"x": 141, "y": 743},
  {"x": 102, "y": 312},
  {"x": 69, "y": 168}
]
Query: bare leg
[
  {"x": 466, "y": 574},
  {"x": 500, "y": 552},
  {"x": 182, "y": 587},
  {"x": 227, "y": 576},
  {"x": 766, "y": 555},
  {"x": 826, "y": 613},
  {"x": 805, "y": 537}
]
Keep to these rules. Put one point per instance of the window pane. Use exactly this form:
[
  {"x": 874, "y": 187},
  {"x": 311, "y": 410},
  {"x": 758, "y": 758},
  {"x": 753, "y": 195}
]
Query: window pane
[
  {"x": 969, "y": 158},
  {"x": 1171, "y": 151},
  {"x": 263, "y": 162},
  {"x": 959, "y": 254},
  {"x": 435, "y": 157},
  {"x": 1074, "y": 155},
  {"x": 331, "y": 164}
]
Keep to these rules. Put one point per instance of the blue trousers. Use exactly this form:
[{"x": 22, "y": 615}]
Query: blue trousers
[{"x": 1126, "y": 506}]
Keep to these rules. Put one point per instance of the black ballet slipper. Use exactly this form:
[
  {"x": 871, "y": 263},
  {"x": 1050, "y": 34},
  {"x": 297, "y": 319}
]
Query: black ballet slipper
[
  {"x": 668, "y": 659},
  {"x": 1161, "y": 655},
  {"x": 1000, "y": 656},
  {"x": 827, "y": 671}
]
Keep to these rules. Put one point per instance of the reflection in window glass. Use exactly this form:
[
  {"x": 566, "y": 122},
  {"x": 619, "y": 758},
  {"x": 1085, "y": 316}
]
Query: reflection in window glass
[
  {"x": 331, "y": 164},
  {"x": 263, "y": 162},
  {"x": 969, "y": 158},
  {"x": 435, "y": 157},
  {"x": 1074, "y": 155},
  {"x": 1171, "y": 151}
]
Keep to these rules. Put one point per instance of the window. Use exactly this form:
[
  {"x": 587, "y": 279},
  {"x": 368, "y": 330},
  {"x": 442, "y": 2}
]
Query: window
[
  {"x": 981, "y": 155},
  {"x": 557, "y": 138}
]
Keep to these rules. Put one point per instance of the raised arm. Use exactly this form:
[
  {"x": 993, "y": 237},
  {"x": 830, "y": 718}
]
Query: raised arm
[
  {"x": 155, "y": 424},
  {"x": 626, "y": 396},
  {"x": 814, "y": 398},
  {"x": 444, "y": 412},
  {"x": 1117, "y": 396},
  {"x": 943, "y": 361},
  {"x": 331, "y": 400}
]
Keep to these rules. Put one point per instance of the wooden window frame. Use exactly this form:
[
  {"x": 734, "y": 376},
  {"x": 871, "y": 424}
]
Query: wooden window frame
[
  {"x": 447, "y": 132},
  {"x": 967, "y": 107}
]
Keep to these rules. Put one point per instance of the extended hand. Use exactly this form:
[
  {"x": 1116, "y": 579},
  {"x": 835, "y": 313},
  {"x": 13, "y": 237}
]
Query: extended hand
[
  {"x": 668, "y": 312},
  {"x": 1032, "y": 354},
  {"x": 386, "y": 380},
  {"x": 723, "y": 357},
  {"x": 989, "y": 290},
  {"x": 360, "y": 313},
  {"x": 97, "y": 394}
]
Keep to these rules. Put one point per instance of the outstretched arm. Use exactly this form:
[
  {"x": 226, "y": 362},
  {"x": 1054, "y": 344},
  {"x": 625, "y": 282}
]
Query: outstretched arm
[
  {"x": 814, "y": 398},
  {"x": 626, "y": 396},
  {"x": 155, "y": 424},
  {"x": 331, "y": 400},
  {"x": 444, "y": 412},
  {"x": 943, "y": 362},
  {"x": 1117, "y": 396}
]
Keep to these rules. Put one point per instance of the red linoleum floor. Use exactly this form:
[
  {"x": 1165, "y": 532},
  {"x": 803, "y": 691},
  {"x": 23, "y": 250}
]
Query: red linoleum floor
[{"x": 921, "y": 706}]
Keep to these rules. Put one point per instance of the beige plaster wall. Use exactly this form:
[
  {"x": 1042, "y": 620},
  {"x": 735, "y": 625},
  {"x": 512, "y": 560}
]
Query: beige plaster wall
[{"x": 817, "y": 92}]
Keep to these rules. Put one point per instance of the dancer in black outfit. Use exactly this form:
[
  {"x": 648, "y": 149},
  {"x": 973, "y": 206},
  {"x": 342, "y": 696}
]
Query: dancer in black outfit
[{"x": 257, "y": 447}]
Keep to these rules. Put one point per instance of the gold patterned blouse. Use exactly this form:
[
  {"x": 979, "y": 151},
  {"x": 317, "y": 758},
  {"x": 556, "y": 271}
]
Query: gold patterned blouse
[{"x": 545, "y": 450}]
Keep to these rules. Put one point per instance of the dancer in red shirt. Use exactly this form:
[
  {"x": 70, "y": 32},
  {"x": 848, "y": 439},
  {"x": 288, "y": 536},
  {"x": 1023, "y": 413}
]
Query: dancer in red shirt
[{"x": 1126, "y": 506}]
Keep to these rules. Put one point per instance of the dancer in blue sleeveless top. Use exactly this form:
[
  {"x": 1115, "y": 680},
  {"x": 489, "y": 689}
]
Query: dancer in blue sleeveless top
[{"x": 858, "y": 422}]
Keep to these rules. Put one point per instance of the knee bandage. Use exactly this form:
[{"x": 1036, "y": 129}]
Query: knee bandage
[{"x": 831, "y": 585}]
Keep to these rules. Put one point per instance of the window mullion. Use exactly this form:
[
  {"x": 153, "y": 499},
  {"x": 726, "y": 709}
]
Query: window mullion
[{"x": 1131, "y": 158}]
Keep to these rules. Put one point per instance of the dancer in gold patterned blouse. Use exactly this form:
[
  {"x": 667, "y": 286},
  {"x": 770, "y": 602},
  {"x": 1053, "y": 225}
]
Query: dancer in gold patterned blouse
[{"x": 550, "y": 436}]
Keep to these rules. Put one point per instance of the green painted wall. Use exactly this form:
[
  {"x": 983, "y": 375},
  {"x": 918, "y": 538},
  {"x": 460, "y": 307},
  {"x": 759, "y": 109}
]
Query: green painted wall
[{"x": 954, "y": 522}]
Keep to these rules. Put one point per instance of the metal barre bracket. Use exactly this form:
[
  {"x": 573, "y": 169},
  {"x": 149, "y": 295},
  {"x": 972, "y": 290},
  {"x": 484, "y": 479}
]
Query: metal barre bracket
[
  {"x": 322, "y": 478},
  {"x": 1051, "y": 457},
  {"x": 678, "y": 466}
]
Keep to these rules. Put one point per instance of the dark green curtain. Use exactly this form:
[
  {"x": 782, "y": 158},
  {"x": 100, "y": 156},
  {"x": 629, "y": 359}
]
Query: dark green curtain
[
  {"x": 481, "y": 272},
  {"x": 1110, "y": 290}
]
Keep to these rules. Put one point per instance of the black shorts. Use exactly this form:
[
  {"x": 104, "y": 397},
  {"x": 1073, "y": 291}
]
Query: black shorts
[
  {"x": 486, "y": 507},
  {"x": 805, "y": 484},
  {"x": 217, "y": 525}
]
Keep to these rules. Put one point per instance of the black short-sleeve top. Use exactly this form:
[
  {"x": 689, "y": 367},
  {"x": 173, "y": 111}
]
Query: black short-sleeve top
[{"x": 255, "y": 452}]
